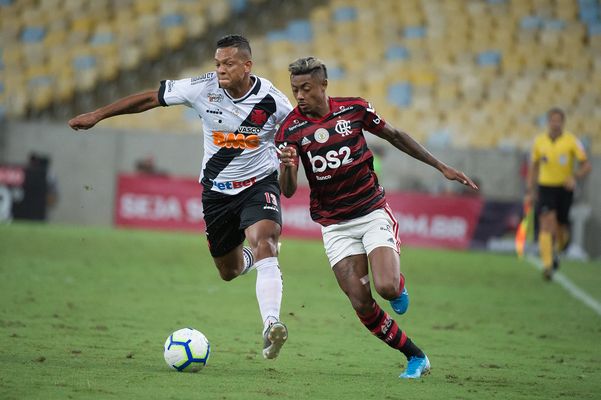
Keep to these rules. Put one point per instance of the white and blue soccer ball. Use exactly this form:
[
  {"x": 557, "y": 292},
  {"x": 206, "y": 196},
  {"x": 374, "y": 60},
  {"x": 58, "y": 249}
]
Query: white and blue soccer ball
[{"x": 187, "y": 350}]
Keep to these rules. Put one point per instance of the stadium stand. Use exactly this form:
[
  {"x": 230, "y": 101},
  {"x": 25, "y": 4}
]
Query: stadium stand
[{"x": 462, "y": 73}]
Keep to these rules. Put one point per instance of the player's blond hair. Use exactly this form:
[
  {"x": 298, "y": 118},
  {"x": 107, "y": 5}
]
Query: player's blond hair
[{"x": 308, "y": 65}]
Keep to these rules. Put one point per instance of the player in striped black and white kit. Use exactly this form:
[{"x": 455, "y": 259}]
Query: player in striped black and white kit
[
  {"x": 358, "y": 228},
  {"x": 240, "y": 114}
]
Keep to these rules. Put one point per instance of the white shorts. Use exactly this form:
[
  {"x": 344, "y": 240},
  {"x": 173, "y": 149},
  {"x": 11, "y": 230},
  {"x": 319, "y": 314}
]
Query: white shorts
[{"x": 361, "y": 235}]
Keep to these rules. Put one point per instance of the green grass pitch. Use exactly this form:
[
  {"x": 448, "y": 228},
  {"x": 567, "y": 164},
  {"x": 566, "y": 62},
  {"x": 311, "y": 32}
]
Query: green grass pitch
[{"x": 84, "y": 313}]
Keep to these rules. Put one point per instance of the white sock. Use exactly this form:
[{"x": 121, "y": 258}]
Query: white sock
[
  {"x": 249, "y": 260},
  {"x": 269, "y": 289}
]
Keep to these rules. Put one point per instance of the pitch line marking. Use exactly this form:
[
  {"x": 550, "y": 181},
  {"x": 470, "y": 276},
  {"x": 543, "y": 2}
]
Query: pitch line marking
[{"x": 570, "y": 287}]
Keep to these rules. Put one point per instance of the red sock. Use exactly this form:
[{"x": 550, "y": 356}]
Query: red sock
[
  {"x": 385, "y": 328},
  {"x": 401, "y": 284}
]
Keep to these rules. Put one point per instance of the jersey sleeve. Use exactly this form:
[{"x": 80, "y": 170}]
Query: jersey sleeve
[
  {"x": 283, "y": 138},
  {"x": 579, "y": 151},
  {"x": 182, "y": 91},
  {"x": 371, "y": 120},
  {"x": 535, "y": 154},
  {"x": 283, "y": 106}
]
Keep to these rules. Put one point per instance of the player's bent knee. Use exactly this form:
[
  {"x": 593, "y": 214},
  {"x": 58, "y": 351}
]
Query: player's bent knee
[
  {"x": 227, "y": 273},
  {"x": 265, "y": 248},
  {"x": 388, "y": 290},
  {"x": 227, "y": 276}
]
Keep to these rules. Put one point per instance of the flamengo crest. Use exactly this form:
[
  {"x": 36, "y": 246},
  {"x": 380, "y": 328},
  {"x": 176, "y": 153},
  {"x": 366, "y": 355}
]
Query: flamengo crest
[{"x": 343, "y": 127}]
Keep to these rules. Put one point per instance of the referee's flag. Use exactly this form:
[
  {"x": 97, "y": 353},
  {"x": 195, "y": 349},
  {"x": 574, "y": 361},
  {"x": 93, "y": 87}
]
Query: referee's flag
[{"x": 522, "y": 232}]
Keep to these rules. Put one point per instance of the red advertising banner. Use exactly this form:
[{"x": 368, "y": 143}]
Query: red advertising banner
[
  {"x": 175, "y": 203},
  {"x": 158, "y": 203},
  {"x": 435, "y": 221},
  {"x": 424, "y": 220}
]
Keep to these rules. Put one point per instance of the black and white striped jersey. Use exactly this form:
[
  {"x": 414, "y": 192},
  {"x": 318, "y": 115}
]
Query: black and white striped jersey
[{"x": 238, "y": 134}]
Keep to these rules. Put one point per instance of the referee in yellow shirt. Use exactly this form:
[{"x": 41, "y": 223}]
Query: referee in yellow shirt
[{"x": 552, "y": 172}]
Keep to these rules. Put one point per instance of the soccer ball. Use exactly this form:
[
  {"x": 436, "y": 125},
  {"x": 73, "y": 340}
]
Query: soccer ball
[{"x": 187, "y": 350}]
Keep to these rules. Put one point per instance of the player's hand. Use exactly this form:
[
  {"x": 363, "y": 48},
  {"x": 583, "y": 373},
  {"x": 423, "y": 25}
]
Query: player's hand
[
  {"x": 288, "y": 156},
  {"x": 453, "y": 175},
  {"x": 84, "y": 121},
  {"x": 570, "y": 183}
]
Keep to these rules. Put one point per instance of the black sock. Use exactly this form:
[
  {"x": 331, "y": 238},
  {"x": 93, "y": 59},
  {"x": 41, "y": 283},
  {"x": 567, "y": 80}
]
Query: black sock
[{"x": 409, "y": 349}]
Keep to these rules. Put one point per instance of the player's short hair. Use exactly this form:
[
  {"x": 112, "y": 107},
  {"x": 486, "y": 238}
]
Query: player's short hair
[
  {"x": 309, "y": 65},
  {"x": 237, "y": 41},
  {"x": 558, "y": 111}
]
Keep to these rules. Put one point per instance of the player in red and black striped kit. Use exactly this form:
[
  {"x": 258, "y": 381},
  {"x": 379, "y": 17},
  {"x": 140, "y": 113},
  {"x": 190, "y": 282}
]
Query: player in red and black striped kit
[{"x": 358, "y": 227}]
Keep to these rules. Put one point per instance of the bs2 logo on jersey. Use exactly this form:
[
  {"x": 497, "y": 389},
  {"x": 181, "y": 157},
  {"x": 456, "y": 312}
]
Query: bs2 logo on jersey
[{"x": 331, "y": 160}]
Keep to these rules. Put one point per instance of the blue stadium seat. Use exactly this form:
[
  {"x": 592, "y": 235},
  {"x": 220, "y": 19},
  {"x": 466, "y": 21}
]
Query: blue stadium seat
[
  {"x": 396, "y": 52},
  {"x": 33, "y": 34},
  {"x": 342, "y": 14},
  {"x": 414, "y": 32},
  {"x": 171, "y": 20},
  {"x": 335, "y": 73},
  {"x": 277, "y": 35},
  {"x": 589, "y": 12},
  {"x": 84, "y": 62},
  {"x": 300, "y": 30},
  {"x": 489, "y": 58},
  {"x": 101, "y": 38},
  {"x": 594, "y": 29},
  {"x": 554, "y": 25},
  {"x": 530, "y": 22},
  {"x": 400, "y": 94},
  {"x": 238, "y": 6}
]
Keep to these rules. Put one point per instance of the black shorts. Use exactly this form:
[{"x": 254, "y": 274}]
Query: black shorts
[
  {"x": 555, "y": 198},
  {"x": 226, "y": 217}
]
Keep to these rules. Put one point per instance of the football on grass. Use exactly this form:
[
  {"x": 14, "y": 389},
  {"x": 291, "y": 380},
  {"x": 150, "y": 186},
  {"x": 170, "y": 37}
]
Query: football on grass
[{"x": 187, "y": 350}]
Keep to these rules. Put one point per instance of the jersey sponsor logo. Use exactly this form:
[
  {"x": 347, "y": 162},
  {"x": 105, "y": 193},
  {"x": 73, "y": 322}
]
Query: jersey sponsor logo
[
  {"x": 377, "y": 120},
  {"x": 343, "y": 127},
  {"x": 215, "y": 97},
  {"x": 249, "y": 129},
  {"x": 231, "y": 140},
  {"x": 342, "y": 109},
  {"x": 258, "y": 116},
  {"x": 305, "y": 141},
  {"x": 323, "y": 177},
  {"x": 170, "y": 86},
  {"x": 297, "y": 125},
  {"x": 333, "y": 159},
  {"x": 223, "y": 185},
  {"x": 202, "y": 78},
  {"x": 321, "y": 135},
  {"x": 218, "y": 112}
]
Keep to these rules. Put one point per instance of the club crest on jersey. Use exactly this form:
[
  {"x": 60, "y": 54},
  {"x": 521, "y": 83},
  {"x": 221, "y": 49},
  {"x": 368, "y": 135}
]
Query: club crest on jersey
[
  {"x": 215, "y": 97},
  {"x": 258, "y": 116},
  {"x": 321, "y": 135},
  {"x": 343, "y": 127}
]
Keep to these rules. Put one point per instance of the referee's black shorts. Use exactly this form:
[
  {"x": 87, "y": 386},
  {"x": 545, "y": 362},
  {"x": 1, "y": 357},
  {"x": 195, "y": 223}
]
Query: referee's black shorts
[
  {"x": 227, "y": 217},
  {"x": 555, "y": 198}
]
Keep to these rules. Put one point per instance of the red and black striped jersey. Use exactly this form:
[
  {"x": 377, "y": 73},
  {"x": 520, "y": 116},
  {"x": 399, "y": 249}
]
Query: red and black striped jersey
[{"x": 336, "y": 159}]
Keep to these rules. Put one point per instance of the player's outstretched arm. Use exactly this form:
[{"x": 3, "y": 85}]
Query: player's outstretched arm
[
  {"x": 134, "y": 103},
  {"x": 407, "y": 144},
  {"x": 288, "y": 170}
]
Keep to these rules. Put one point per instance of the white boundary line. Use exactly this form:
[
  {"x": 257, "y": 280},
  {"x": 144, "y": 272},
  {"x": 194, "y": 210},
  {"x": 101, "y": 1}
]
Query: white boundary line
[{"x": 569, "y": 286}]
